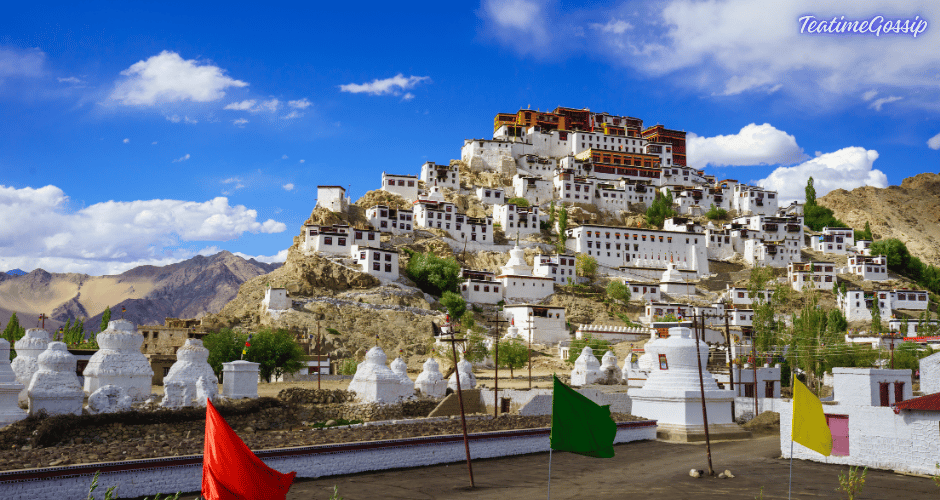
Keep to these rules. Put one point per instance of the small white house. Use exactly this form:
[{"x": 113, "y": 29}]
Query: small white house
[
  {"x": 478, "y": 229},
  {"x": 768, "y": 382},
  {"x": 275, "y": 299},
  {"x": 818, "y": 275},
  {"x": 526, "y": 288},
  {"x": 869, "y": 268},
  {"x": 329, "y": 240},
  {"x": 835, "y": 240},
  {"x": 741, "y": 295},
  {"x": 480, "y": 291},
  {"x": 440, "y": 175},
  {"x": 913, "y": 327},
  {"x": 535, "y": 190},
  {"x": 753, "y": 200},
  {"x": 542, "y": 324},
  {"x": 863, "y": 247},
  {"x": 378, "y": 262},
  {"x": 570, "y": 188},
  {"x": 560, "y": 267},
  {"x": 390, "y": 220},
  {"x": 491, "y": 196},
  {"x": 644, "y": 292},
  {"x": 405, "y": 186},
  {"x": 332, "y": 198},
  {"x": 517, "y": 220}
]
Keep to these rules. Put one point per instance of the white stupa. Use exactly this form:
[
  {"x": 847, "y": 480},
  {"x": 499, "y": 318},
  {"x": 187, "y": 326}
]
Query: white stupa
[
  {"x": 587, "y": 370},
  {"x": 9, "y": 389},
  {"x": 635, "y": 373},
  {"x": 609, "y": 369},
  {"x": 119, "y": 362},
  {"x": 513, "y": 333},
  {"x": 407, "y": 389},
  {"x": 431, "y": 381},
  {"x": 517, "y": 265},
  {"x": 467, "y": 379},
  {"x": 374, "y": 382},
  {"x": 673, "y": 283},
  {"x": 192, "y": 362},
  {"x": 54, "y": 387},
  {"x": 28, "y": 349},
  {"x": 672, "y": 394}
]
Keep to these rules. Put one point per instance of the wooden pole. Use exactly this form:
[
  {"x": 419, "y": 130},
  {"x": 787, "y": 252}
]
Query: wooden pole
[
  {"x": 463, "y": 417},
  {"x": 319, "y": 363},
  {"x": 730, "y": 359},
  {"x": 531, "y": 323},
  {"x": 754, "y": 367},
  {"x": 701, "y": 384},
  {"x": 498, "y": 321}
]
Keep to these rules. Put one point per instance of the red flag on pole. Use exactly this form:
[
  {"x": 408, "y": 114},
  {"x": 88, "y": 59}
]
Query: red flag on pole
[{"x": 230, "y": 471}]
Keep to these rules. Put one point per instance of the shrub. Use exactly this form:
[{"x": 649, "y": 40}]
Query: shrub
[
  {"x": 519, "y": 202},
  {"x": 599, "y": 346},
  {"x": 347, "y": 367},
  {"x": 433, "y": 274},
  {"x": 716, "y": 213}
]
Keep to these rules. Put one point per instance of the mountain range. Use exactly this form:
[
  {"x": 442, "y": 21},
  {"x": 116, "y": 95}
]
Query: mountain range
[{"x": 187, "y": 289}]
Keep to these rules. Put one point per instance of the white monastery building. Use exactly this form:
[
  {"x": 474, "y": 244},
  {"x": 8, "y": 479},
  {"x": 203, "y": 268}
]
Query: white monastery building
[
  {"x": 559, "y": 267},
  {"x": 517, "y": 220},
  {"x": 440, "y": 175},
  {"x": 616, "y": 246},
  {"x": 390, "y": 220},
  {"x": 835, "y": 240},
  {"x": 337, "y": 239},
  {"x": 332, "y": 198},
  {"x": 818, "y": 275},
  {"x": 491, "y": 196},
  {"x": 869, "y": 268},
  {"x": 378, "y": 262},
  {"x": 405, "y": 186}
]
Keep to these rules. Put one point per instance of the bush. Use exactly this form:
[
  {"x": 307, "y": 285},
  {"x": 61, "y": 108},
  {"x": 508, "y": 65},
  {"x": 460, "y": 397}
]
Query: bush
[
  {"x": 455, "y": 304},
  {"x": 513, "y": 354},
  {"x": 276, "y": 352},
  {"x": 716, "y": 213},
  {"x": 433, "y": 274},
  {"x": 519, "y": 202},
  {"x": 585, "y": 265},
  {"x": 660, "y": 210},
  {"x": 618, "y": 292},
  {"x": 347, "y": 367}
]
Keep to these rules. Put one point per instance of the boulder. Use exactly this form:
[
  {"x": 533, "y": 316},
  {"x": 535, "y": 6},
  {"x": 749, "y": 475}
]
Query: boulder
[{"x": 109, "y": 399}]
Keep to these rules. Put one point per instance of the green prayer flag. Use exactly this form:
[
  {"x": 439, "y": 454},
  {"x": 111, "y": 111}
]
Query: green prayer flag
[{"x": 580, "y": 425}]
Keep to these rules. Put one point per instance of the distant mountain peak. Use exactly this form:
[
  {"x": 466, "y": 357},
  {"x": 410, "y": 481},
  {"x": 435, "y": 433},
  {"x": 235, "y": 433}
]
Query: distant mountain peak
[{"x": 16, "y": 272}]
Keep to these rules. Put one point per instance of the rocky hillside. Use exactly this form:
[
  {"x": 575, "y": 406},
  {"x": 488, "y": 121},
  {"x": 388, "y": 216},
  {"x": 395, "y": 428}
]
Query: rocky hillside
[
  {"x": 188, "y": 289},
  {"x": 909, "y": 212}
]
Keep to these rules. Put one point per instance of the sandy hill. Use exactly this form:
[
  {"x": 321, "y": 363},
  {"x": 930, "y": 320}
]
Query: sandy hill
[
  {"x": 187, "y": 289},
  {"x": 909, "y": 212}
]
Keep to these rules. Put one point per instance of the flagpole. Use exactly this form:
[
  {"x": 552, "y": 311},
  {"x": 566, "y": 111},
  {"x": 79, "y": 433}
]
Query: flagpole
[
  {"x": 549, "y": 473},
  {"x": 790, "y": 487}
]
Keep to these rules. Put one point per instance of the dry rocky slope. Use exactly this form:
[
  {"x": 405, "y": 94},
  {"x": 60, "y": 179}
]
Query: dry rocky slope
[
  {"x": 909, "y": 212},
  {"x": 187, "y": 289}
]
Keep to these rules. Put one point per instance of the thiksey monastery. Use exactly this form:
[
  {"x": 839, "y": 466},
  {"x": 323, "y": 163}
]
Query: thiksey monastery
[{"x": 576, "y": 157}]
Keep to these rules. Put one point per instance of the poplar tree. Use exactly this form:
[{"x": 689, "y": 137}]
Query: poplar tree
[{"x": 105, "y": 318}]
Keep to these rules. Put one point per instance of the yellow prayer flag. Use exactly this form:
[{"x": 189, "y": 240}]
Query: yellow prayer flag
[{"x": 809, "y": 427}]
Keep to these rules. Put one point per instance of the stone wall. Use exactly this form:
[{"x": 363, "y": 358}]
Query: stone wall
[
  {"x": 148, "y": 477},
  {"x": 451, "y": 404}
]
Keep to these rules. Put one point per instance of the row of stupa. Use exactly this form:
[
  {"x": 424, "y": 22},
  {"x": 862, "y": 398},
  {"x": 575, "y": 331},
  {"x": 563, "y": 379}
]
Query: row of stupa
[{"x": 375, "y": 382}]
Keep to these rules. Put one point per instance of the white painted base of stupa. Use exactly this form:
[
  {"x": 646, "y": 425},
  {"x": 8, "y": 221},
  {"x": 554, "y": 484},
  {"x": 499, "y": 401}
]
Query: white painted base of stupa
[
  {"x": 9, "y": 406},
  {"x": 678, "y": 414}
]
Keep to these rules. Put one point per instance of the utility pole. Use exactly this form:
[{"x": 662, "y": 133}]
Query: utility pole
[
  {"x": 319, "y": 363},
  {"x": 892, "y": 351},
  {"x": 728, "y": 358},
  {"x": 463, "y": 418},
  {"x": 499, "y": 320},
  {"x": 754, "y": 367},
  {"x": 531, "y": 323},
  {"x": 701, "y": 384}
]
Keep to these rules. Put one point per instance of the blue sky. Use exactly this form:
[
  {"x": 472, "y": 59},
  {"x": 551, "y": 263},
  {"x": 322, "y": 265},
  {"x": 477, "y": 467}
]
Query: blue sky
[{"x": 137, "y": 135}]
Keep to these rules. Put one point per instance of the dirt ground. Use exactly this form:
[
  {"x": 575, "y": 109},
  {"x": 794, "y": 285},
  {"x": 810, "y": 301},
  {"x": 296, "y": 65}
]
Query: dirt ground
[{"x": 647, "y": 469}]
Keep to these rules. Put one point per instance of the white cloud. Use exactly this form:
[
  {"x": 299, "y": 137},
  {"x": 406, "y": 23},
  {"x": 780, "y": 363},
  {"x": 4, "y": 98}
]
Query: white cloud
[
  {"x": 302, "y": 160},
  {"x": 934, "y": 142},
  {"x": 732, "y": 47},
  {"x": 867, "y": 96},
  {"x": 240, "y": 122},
  {"x": 242, "y": 106},
  {"x": 268, "y": 259},
  {"x": 182, "y": 158},
  {"x": 847, "y": 168},
  {"x": 299, "y": 104},
  {"x": 408, "y": 96},
  {"x": 178, "y": 119},
  {"x": 21, "y": 63},
  {"x": 753, "y": 145},
  {"x": 878, "y": 103},
  {"x": 154, "y": 143},
  {"x": 288, "y": 187},
  {"x": 292, "y": 115},
  {"x": 388, "y": 86},
  {"x": 614, "y": 26},
  {"x": 167, "y": 77},
  {"x": 71, "y": 79},
  {"x": 283, "y": 157},
  {"x": 271, "y": 105},
  {"x": 40, "y": 230},
  {"x": 126, "y": 141}
]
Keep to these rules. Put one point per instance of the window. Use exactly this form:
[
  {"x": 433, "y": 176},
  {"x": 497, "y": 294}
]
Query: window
[
  {"x": 342, "y": 242},
  {"x": 327, "y": 240},
  {"x": 388, "y": 268},
  {"x": 376, "y": 266},
  {"x": 376, "y": 256},
  {"x": 388, "y": 257}
]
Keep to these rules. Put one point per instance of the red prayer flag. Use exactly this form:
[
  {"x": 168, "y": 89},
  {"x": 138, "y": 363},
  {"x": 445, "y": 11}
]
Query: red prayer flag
[{"x": 230, "y": 471}]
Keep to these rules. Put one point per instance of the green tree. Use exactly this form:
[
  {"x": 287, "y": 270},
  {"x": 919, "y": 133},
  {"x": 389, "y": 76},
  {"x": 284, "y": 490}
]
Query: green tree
[
  {"x": 513, "y": 354},
  {"x": 455, "y": 304},
  {"x": 13, "y": 332},
  {"x": 865, "y": 234},
  {"x": 896, "y": 251},
  {"x": 585, "y": 266},
  {"x": 433, "y": 274},
  {"x": 716, "y": 213},
  {"x": 224, "y": 346},
  {"x": 105, "y": 318},
  {"x": 562, "y": 227},
  {"x": 810, "y": 193},
  {"x": 766, "y": 328},
  {"x": 660, "y": 209},
  {"x": 876, "y": 327},
  {"x": 808, "y": 334},
  {"x": 599, "y": 346},
  {"x": 618, "y": 292},
  {"x": 475, "y": 348},
  {"x": 519, "y": 202},
  {"x": 551, "y": 214},
  {"x": 276, "y": 352},
  {"x": 836, "y": 323}
]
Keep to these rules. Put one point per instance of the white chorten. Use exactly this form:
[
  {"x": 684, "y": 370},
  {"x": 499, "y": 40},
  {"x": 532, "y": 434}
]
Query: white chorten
[
  {"x": 374, "y": 382},
  {"x": 192, "y": 362},
  {"x": 609, "y": 369},
  {"x": 672, "y": 395},
  {"x": 9, "y": 389},
  {"x": 673, "y": 283},
  {"x": 28, "y": 350},
  {"x": 399, "y": 368},
  {"x": 109, "y": 399},
  {"x": 54, "y": 387},
  {"x": 119, "y": 362},
  {"x": 587, "y": 370},
  {"x": 513, "y": 333},
  {"x": 516, "y": 265},
  {"x": 467, "y": 379},
  {"x": 431, "y": 381}
]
